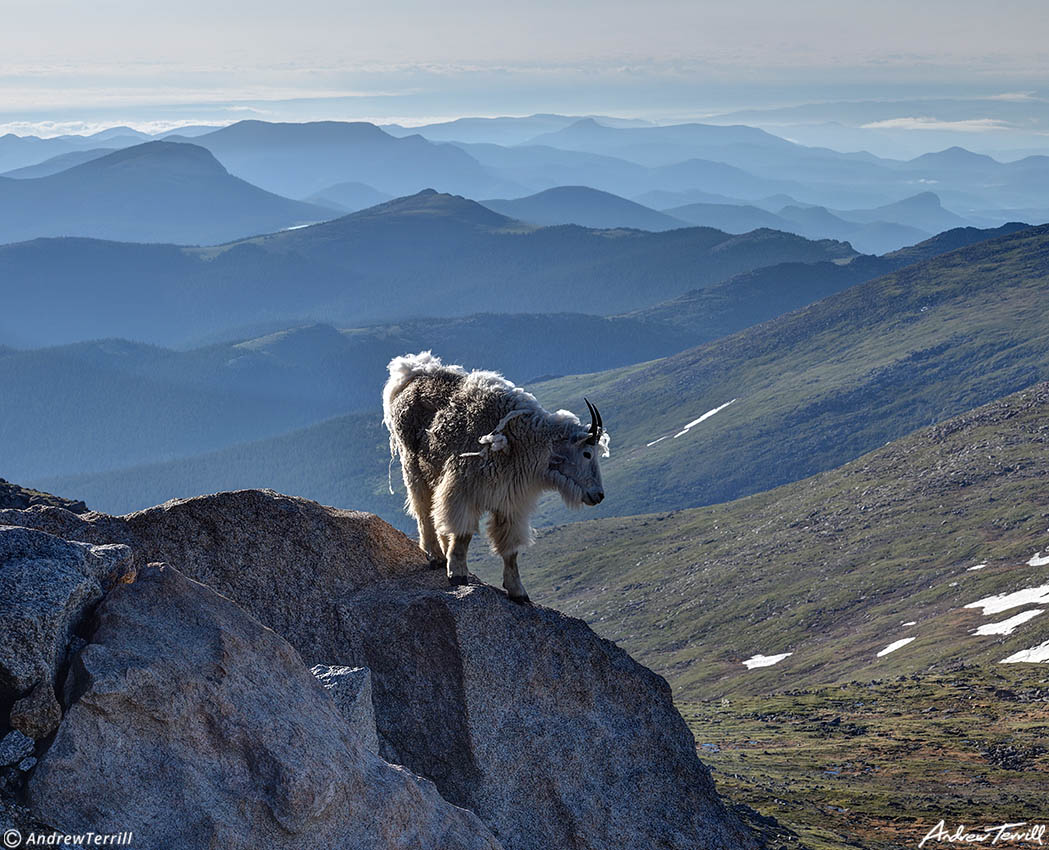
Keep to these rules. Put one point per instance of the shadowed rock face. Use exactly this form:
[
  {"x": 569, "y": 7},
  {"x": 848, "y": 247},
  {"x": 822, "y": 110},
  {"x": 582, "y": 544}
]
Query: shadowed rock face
[
  {"x": 47, "y": 587},
  {"x": 197, "y": 727},
  {"x": 556, "y": 737},
  {"x": 551, "y": 735}
]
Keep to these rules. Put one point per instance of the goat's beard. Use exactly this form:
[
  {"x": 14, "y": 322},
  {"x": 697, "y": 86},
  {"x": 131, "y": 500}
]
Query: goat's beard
[{"x": 571, "y": 493}]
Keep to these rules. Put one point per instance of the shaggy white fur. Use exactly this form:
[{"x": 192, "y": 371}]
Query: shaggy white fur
[{"x": 439, "y": 415}]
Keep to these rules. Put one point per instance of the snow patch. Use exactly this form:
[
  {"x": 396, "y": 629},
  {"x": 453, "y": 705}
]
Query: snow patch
[
  {"x": 1034, "y": 655},
  {"x": 1004, "y": 601},
  {"x": 1005, "y": 627},
  {"x": 910, "y": 623},
  {"x": 760, "y": 660},
  {"x": 658, "y": 440},
  {"x": 892, "y": 647},
  {"x": 1038, "y": 560},
  {"x": 977, "y": 567},
  {"x": 703, "y": 418}
]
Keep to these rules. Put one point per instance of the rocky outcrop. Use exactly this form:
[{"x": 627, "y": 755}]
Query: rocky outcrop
[
  {"x": 351, "y": 691},
  {"x": 195, "y": 727},
  {"x": 47, "y": 585},
  {"x": 556, "y": 737},
  {"x": 552, "y": 736},
  {"x": 14, "y": 496}
]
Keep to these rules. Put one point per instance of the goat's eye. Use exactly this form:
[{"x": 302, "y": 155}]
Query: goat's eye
[{"x": 587, "y": 455}]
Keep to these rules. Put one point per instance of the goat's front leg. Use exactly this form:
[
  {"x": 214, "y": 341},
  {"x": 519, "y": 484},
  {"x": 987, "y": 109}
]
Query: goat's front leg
[
  {"x": 457, "y": 572},
  {"x": 512, "y": 581}
]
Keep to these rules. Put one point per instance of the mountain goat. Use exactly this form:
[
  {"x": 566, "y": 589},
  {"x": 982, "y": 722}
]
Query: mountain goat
[{"x": 472, "y": 442}]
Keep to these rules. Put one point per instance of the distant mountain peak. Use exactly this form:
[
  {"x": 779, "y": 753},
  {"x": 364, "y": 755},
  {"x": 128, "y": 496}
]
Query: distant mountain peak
[
  {"x": 432, "y": 202},
  {"x": 923, "y": 200},
  {"x": 957, "y": 156},
  {"x": 182, "y": 157}
]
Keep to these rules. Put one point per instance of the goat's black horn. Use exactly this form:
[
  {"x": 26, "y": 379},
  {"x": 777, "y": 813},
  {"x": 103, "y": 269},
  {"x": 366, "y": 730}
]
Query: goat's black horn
[{"x": 595, "y": 422}]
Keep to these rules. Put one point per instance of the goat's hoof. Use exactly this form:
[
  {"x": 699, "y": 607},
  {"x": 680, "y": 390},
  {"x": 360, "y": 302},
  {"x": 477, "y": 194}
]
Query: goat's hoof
[
  {"x": 438, "y": 563},
  {"x": 458, "y": 581},
  {"x": 520, "y": 600}
]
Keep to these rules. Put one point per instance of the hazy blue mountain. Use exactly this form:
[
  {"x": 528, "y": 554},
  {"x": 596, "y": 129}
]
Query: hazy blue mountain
[
  {"x": 119, "y": 132},
  {"x": 463, "y": 259},
  {"x": 874, "y": 237},
  {"x": 190, "y": 130},
  {"x": 297, "y": 160},
  {"x": 500, "y": 131},
  {"x": 55, "y": 164},
  {"x": 349, "y": 197},
  {"x": 922, "y": 212},
  {"x": 97, "y": 405},
  {"x": 344, "y": 461},
  {"x": 153, "y": 192},
  {"x": 90, "y": 406},
  {"x": 753, "y": 297},
  {"x": 663, "y": 199},
  {"x": 585, "y": 206},
  {"x": 732, "y": 218},
  {"x": 654, "y": 146},
  {"x": 544, "y": 167},
  {"x": 1022, "y": 183},
  {"x": 539, "y": 167},
  {"x": 824, "y": 174},
  {"x": 813, "y": 222},
  {"x": 20, "y": 151},
  {"x": 722, "y": 179},
  {"x": 965, "y": 180}
]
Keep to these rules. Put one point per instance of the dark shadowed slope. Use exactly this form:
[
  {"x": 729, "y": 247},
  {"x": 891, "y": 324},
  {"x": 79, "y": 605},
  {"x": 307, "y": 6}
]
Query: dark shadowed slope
[
  {"x": 154, "y": 192},
  {"x": 461, "y": 258},
  {"x": 587, "y": 207}
]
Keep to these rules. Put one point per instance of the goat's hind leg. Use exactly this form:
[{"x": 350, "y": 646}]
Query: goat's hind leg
[{"x": 420, "y": 501}]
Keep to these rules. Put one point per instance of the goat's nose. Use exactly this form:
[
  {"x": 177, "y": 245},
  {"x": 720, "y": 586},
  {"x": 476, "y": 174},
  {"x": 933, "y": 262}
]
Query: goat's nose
[{"x": 599, "y": 497}]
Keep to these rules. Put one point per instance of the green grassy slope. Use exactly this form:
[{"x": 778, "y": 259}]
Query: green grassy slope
[
  {"x": 820, "y": 386},
  {"x": 829, "y": 568},
  {"x": 878, "y": 764}
]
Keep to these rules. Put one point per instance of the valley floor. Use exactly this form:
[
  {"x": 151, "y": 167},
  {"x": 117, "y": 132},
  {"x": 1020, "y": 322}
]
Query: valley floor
[{"x": 878, "y": 764}]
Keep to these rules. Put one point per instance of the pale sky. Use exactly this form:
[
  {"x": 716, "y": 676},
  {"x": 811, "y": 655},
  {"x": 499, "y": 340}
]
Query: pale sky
[{"x": 141, "y": 62}]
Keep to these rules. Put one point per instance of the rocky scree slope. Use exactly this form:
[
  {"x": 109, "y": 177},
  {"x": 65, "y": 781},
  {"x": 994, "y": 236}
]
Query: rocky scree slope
[{"x": 158, "y": 679}]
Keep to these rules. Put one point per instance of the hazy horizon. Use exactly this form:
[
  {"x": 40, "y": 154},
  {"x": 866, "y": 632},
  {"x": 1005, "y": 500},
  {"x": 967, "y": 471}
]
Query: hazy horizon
[{"x": 907, "y": 71}]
